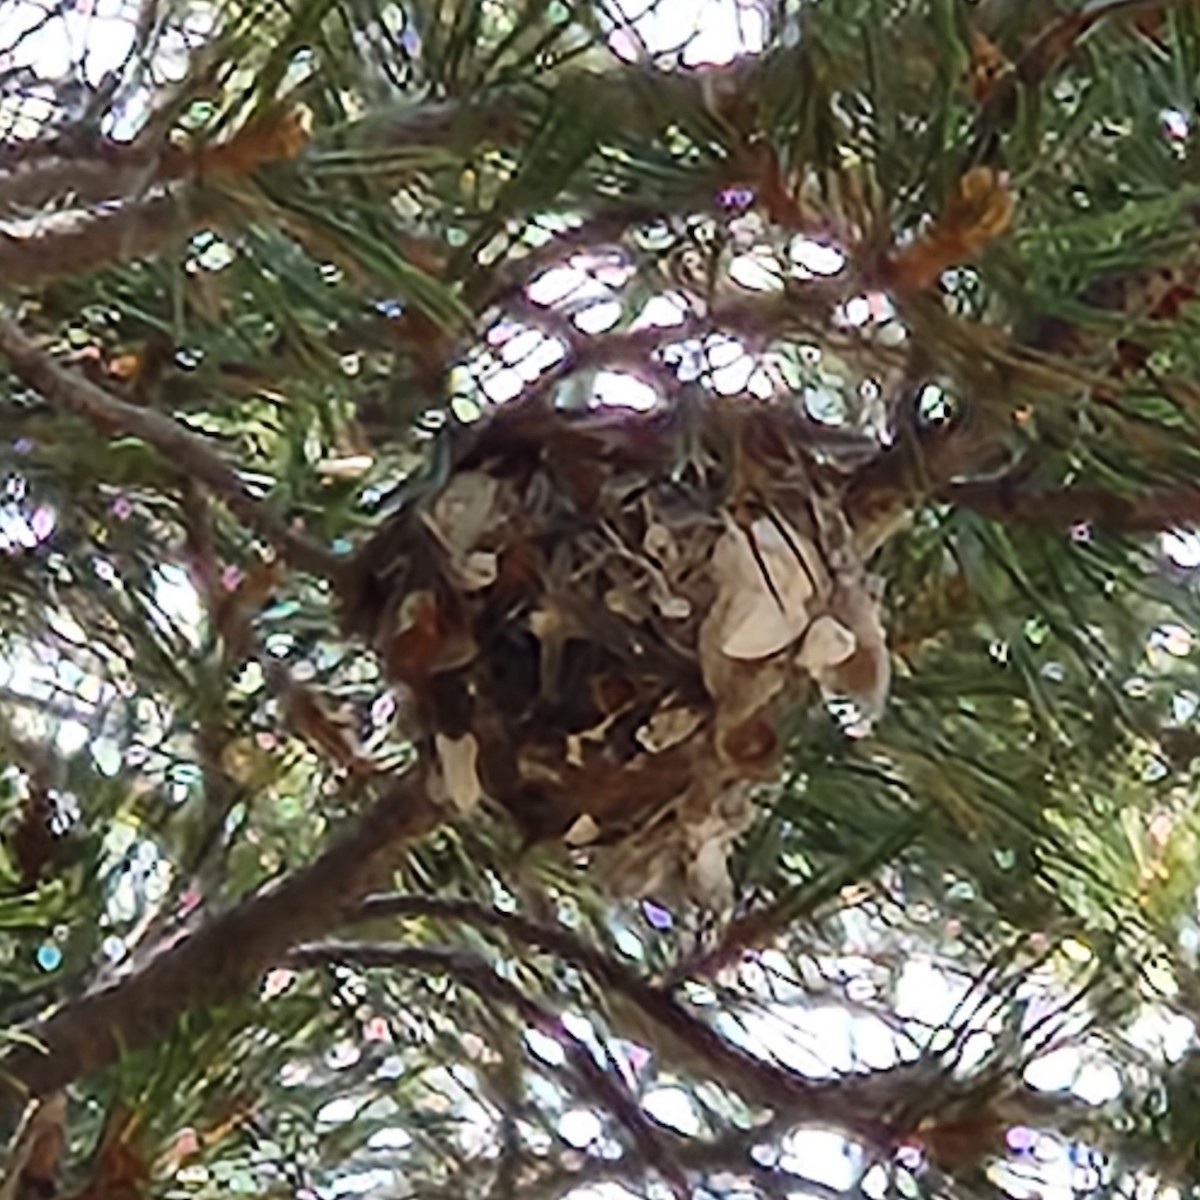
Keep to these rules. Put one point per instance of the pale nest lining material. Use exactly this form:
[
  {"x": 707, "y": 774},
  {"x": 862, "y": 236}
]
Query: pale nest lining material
[{"x": 601, "y": 616}]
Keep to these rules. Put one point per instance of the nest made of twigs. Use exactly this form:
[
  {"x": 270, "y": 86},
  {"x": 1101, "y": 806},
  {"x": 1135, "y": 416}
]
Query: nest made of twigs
[{"x": 600, "y": 616}]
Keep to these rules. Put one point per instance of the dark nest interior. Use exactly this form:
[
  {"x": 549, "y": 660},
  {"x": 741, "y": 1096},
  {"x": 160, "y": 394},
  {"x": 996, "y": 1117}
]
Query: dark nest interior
[{"x": 599, "y": 617}]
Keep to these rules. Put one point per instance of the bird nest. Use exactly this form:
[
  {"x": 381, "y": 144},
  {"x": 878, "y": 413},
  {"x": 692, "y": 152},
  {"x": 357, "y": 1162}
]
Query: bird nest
[{"x": 600, "y": 617}]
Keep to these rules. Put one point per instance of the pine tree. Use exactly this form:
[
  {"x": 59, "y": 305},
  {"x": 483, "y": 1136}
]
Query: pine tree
[{"x": 579, "y": 621}]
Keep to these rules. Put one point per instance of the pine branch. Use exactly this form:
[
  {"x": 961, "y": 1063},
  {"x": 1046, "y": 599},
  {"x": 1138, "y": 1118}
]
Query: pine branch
[
  {"x": 639, "y": 98},
  {"x": 1051, "y": 48},
  {"x": 1152, "y": 512},
  {"x": 687, "y": 1038},
  {"x": 138, "y": 229},
  {"x": 112, "y": 171},
  {"x": 474, "y": 973},
  {"x": 919, "y": 466},
  {"x": 123, "y": 171},
  {"x": 192, "y": 454},
  {"x": 879, "y": 1108},
  {"x": 221, "y": 960}
]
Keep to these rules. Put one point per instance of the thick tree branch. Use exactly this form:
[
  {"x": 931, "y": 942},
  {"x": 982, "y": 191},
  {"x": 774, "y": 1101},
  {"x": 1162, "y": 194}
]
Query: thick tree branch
[
  {"x": 221, "y": 960},
  {"x": 194, "y": 455}
]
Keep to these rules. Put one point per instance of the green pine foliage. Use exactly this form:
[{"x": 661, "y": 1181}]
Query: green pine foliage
[{"x": 252, "y": 273}]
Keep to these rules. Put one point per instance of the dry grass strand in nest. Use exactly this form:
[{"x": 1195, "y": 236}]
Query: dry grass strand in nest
[{"x": 600, "y": 616}]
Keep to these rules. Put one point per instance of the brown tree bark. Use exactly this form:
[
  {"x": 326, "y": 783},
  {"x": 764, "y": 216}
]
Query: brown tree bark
[{"x": 222, "y": 960}]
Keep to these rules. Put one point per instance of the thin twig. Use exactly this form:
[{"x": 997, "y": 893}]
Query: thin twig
[
  {"x": 474, "y": 973},
  {"x": 729, "y": 1153},
  {"x": 70, "y": 247},
  {"x": 690, "y": 1039}
]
